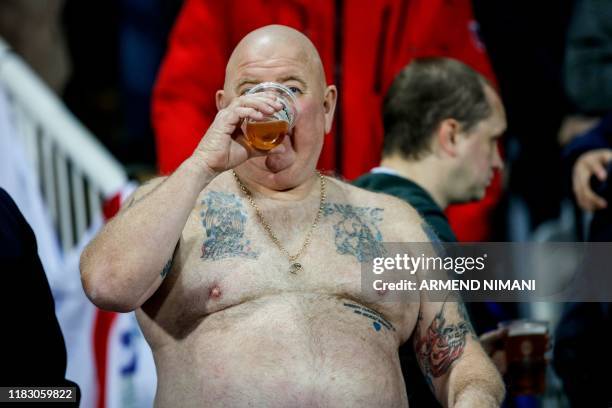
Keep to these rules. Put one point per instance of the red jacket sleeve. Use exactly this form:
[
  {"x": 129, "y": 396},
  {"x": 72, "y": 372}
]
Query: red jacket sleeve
[{"x": 183, "y": 105}]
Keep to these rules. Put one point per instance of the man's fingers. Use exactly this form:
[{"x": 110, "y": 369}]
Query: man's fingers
[
  {"x": 492, "y": 340},
  {"x": 604, "y": 158},
  {"x": 595, "y": 162},
  {"x": 494, "y": 335},
  {"x": 597, "y": 167},
  {"x": 591, "y": 163},
  {"x": 251, "y": 151},
  {"x": 251, "y": 113},
  {"x": 262, "y": 102},
  {"x": 254, "y": 106},
  {"x": 241, "y": 140},
  {"x": 587, "y": 199},
  {"x": 594, "y": 201}
]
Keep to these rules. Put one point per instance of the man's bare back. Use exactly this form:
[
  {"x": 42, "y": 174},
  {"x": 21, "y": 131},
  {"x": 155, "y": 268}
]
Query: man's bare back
[{"x": 231, "y": 326}]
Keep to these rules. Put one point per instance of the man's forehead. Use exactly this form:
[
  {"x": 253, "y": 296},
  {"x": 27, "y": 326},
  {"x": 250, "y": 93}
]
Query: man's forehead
[
  {"x": 256, "y": 61},
  {"x": 271, "y": 53},
  {"x": 497, "y": 119},
  {"x": 281, "y": 72},
  {"x": 496, "y": 124},
  {"x": 500, "y": 121},
  {"x": 273, "y": 49}
]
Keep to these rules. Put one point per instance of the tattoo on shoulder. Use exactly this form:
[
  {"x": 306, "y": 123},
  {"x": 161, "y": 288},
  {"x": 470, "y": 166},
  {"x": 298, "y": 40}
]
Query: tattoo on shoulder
[
  {"x": 224, "y": 220},
  {"x": 356, "y": 232},
  {"x": 442, "y": 343},
  {"x": 436, "y": 243},
  {"x": 378, "y": 320},
  {"x": 430, "y": 233}
]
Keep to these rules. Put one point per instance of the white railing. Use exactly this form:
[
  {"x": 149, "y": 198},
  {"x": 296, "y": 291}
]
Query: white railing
[{"x": 74, "y": 170}]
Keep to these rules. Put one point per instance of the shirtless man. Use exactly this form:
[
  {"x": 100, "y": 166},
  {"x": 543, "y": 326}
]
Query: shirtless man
[{"x": 230, "y": 319}]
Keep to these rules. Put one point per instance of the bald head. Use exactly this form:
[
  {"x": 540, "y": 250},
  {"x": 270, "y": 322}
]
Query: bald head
[
  {"x": 283, "y": 55},
  {"x": 272, "y": 45}
]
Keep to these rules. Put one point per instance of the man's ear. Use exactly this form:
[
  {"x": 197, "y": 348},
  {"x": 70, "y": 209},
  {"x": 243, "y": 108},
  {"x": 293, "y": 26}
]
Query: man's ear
[
  {"x": 329, "y": 104},
  {"x": 220, "y": 100},
  {"x": 447, "y": 136}
]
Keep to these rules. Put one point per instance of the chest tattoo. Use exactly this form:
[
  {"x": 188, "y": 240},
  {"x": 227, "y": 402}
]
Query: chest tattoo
[
  {"x": 224, "y": 219},
  {"x": 356, "y": 231}
]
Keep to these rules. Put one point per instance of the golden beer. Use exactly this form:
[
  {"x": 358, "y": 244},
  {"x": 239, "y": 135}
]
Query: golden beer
[{"x": 266, "y": 135}]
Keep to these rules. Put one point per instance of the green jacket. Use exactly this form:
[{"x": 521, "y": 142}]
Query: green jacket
[{"x": 412, "y": 193}]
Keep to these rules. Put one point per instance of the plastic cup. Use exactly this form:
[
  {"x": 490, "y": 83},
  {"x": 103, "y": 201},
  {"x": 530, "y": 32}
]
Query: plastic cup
[
  {"x": 526, "y": 345},
  {"x": 269, "y": 132}
]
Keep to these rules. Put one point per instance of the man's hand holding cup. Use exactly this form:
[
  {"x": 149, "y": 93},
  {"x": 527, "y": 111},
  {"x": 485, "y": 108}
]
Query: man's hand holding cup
[{"x": 224, "y": 146}]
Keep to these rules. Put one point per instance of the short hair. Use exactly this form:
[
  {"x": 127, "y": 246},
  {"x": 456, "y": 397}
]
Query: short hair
[{"x": 426, "y": 92}]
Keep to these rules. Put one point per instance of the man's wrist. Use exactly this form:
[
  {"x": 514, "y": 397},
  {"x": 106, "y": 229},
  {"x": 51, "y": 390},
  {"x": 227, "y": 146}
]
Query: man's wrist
[{"x": 195, "y": 166}]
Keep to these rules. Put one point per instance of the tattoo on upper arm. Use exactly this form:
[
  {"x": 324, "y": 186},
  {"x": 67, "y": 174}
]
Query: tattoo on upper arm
[
  {"x": 224, "y": 220},
  {"x": 357, "y": 233},
  {"x": 442, "y": 343},
  {"x": 466, "y": 317},
  {"x": 378, "y": 320}
]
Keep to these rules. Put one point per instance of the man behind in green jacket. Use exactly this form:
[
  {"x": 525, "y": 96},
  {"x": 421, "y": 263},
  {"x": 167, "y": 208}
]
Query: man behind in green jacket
[{"x": 442, "y": 124}]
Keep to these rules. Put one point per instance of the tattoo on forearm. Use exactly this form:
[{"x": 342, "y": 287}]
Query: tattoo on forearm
[
  {"x": 135, "y": 199},
  {"x": 168, "y": 266},
  {"x": 224, "y": 220},
  {"x": 378, "y": 321},
  {"x": 357, "y": 233},
  {"x": 166, "y": 269},
  {"x": 441, "y": 345}
]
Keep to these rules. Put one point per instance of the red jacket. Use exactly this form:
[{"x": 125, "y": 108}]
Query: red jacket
[{"x": 363, "y": 44}]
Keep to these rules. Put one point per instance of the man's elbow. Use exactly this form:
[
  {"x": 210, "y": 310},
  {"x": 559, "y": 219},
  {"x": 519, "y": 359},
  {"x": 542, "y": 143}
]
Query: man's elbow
[
  {"x": 103, "y": 286},
  {"x": 476, "y": 384},
  {"x": 497, "y": 388},
  {"x": 489, "y": 394}
]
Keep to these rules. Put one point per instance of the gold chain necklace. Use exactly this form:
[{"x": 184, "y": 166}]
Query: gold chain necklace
[{"x": 295, "y": 266}]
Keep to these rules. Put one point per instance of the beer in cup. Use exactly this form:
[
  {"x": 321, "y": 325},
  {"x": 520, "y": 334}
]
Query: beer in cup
[
  {"x": 526, "y": 345},
  {"x": 269, "y": 132}
]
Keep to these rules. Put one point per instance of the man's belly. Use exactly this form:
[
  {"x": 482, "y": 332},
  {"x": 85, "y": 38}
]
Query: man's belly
[{"x": 297, "y": 350}]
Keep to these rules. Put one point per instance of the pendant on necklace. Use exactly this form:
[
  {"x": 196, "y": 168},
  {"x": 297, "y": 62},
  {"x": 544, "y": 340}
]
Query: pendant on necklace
[{"x": 295, "y": 268}]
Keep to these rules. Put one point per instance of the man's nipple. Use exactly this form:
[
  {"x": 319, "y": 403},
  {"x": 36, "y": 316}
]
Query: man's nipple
[{"x": 214, "y": 292}]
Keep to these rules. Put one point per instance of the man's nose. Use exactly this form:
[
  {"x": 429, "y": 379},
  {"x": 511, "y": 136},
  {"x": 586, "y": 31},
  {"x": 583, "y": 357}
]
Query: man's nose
[{"x": 498, "y": 162}]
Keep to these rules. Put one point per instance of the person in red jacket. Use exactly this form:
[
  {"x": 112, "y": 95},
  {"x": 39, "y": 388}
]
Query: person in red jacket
[{"x": 363, "y": 45}]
